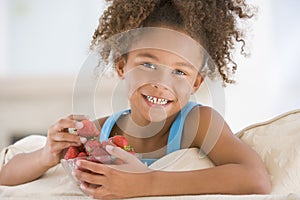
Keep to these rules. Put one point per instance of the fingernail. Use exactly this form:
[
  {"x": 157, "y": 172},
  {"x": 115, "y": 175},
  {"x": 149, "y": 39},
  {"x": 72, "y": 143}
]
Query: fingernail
[
  {"x": 83, "y": 140},
  {"x": 78, "y": 163},
  {"x": 72, "y": 130},
  {"x": 82, "y": 186},
  {"x": 109, "y": 148},
  {"x": 79, "y": 125},
  {"x": 80, "y": 117}
]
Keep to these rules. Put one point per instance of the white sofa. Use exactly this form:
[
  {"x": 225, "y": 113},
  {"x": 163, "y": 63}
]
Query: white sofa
[{"x": 277, "y": 141}]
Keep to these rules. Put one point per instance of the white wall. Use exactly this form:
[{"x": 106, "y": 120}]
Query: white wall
[
  {"x": 3, "y": 37},
  {"x": 268, "y": 82},
  {"x": 42, "y": 46},
  {"x": 48, "y": 37}
]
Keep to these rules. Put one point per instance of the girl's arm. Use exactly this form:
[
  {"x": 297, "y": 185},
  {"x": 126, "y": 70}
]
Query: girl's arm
[
  {"x": 23, "y": 168},
  {"x": 238, "y": 170},
  {"x": 26, "y": 167}
]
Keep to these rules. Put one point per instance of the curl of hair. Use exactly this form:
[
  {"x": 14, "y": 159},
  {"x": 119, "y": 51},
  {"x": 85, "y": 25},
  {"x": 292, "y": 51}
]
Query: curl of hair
[{"x": 213, "y": 22}]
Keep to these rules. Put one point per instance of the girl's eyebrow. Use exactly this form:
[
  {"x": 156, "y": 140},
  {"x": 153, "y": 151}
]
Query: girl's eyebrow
[
  {"x": 147, "y": 55},
  {"x": 185, "y": 64}
]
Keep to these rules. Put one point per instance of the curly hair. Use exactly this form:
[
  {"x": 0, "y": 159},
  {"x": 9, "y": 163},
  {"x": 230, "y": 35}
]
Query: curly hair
[{"x": 213, "y": 22}]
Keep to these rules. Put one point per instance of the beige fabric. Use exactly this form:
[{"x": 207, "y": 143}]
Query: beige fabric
[
  {"x": 277, "y": 141},
  {"x": 182, "y": 160},
  {"x": 53, "y": 182},
  {"x": 25, "y": 145}
]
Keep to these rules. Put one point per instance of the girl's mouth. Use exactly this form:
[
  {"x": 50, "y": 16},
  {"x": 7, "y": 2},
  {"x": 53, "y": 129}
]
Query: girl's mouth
[{"x": 156, "y": 100}]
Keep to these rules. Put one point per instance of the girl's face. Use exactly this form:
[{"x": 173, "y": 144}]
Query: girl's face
[{"x": 159, "y": 81}]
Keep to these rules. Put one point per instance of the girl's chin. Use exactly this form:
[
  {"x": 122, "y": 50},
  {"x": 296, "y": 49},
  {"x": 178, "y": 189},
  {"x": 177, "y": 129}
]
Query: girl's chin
[{"x": 156, "y": 116}]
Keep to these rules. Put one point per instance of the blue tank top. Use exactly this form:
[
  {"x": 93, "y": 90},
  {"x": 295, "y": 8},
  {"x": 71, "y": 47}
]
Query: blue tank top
[{"x": 174, "y": 139}]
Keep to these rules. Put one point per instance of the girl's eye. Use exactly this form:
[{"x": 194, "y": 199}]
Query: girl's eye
[
  {"x": 179, "y": 72},
  {"x": 149, "y": 65}
]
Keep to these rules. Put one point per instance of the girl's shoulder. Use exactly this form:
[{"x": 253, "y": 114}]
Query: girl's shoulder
[
  {"x": 198, "y": 122},
  {"x": 203, "y": 114},
  {"x": 101, "y": 121}
]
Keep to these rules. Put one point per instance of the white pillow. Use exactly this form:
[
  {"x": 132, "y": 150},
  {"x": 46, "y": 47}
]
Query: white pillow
[
  {"x": 277, "y": 141},
  {"x": 183, "y": 160}
]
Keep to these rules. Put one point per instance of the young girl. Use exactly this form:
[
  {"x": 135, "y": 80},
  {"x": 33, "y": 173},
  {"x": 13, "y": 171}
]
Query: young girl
[{"x": 162, "y": 67}]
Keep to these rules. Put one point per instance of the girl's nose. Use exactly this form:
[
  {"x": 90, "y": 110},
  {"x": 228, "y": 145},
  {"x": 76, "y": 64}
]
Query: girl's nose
[{"x": 158, "y": 86}]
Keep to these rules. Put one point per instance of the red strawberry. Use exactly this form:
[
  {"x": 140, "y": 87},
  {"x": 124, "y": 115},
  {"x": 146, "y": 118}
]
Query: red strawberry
[
  {"x": 82, "y": 155},
  {"x": 91, "y": 145},
  {"x": 88, "y": 130},
  {"x": 96, "y": 152},
  {"x": 121, "y": 142},
  {"x": 71, "y": 153}
]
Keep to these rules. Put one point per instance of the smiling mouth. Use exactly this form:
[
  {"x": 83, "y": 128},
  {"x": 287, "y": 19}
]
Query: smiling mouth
[{"x": 156, "y": 100}]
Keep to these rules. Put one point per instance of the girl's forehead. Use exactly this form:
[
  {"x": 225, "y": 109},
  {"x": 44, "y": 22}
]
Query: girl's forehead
[{"x": 168, "y": 40}]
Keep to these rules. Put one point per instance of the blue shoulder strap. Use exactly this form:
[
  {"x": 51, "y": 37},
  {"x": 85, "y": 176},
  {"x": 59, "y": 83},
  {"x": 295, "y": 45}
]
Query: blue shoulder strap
[
  {"x": 109, "y": 124},
  {"x": 176, "y": 129}
]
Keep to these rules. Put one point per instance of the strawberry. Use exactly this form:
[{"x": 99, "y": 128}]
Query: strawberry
[
  {"x": 91, "y": 146},
  {"x": 88, "y": 130},
  {"x": 121, "y": 142},
  {"x": 71, "y": 153},
  {"x": 82, "y": 155},
  {"x": 95, "y": 151}
]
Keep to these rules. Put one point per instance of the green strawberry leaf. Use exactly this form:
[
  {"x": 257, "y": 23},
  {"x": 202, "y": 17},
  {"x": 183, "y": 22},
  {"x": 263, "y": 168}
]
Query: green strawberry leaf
[{"x": 128, "y": 148}]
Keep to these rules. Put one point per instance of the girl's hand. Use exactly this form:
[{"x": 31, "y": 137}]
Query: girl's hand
[
  {"x": 129, "y": 162},
  {"x": 59, "y": 138},
  {"x": 113, "y": 181}
]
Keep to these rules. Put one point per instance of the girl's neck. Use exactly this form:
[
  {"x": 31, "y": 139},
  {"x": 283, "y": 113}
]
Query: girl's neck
[
  {"x": 151, "y": 140},
  {"x": 127, "y": 125}
]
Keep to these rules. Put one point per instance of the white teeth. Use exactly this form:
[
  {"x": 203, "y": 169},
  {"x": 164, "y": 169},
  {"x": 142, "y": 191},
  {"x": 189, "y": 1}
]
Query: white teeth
[{"x": 156, "y": 100}]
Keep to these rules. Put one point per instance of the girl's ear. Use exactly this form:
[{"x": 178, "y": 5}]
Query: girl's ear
[
  {"x": 197, "y": 82},
  {"x": 120, "y": 66}
]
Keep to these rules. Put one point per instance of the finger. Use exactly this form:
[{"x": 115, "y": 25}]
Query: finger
[
  {"x": 62, "y": 127},
  {"x": 57, "y": 147},
  {"x": 66, "y": 137},
  {"x": 99, "y": 192},
  {"x": 121, "y": 154},
  {"x": 92, "y": 191},
  {"x": 64, "y": 124},
  {"x": 91, "y": 178},
  {"x": 97, "y": 168},
  {"x": 78, "y": 117}
]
